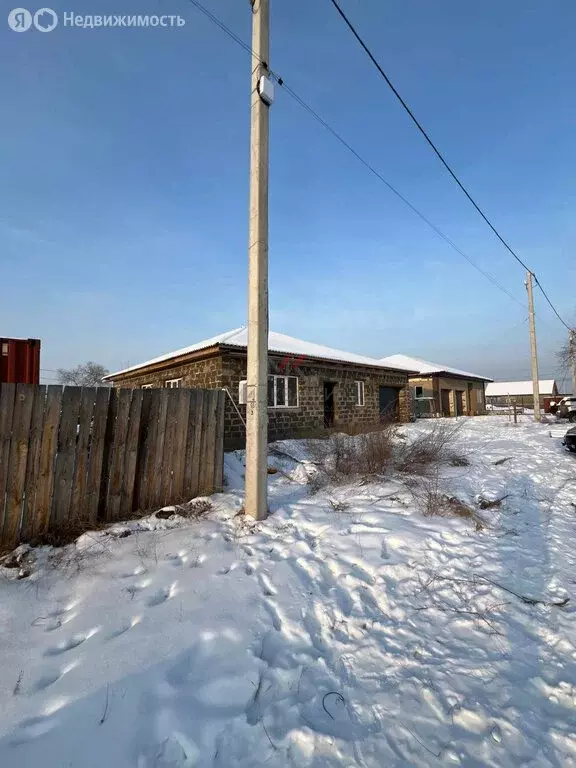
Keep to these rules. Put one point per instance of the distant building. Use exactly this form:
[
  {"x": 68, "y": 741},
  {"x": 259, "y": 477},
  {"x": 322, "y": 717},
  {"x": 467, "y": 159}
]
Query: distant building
[
  {"x": 19, "y": 361},
  {"x": 520, "y": 392},
  {"x": 438, "y": 390}
]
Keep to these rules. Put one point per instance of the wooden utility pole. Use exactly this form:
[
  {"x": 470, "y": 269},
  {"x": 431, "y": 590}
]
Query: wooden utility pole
[
  {"x": 572, "y": 351},
  {"x": 533, "y": 350},
  {"x": 256, "y": 502}
]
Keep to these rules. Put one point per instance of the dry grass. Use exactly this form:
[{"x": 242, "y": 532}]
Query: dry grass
[
  {"x": 429, "y": 449},
  {"x": 380, "y": 448},
  {"x": 65, "y": 533},
  {"x": 434, "y": 501},
  {"x": 342, "y": 456}
]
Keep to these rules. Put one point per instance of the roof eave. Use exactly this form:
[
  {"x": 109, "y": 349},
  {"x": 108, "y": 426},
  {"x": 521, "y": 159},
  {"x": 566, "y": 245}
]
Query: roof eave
[
  {"x": 354, "y": 364},
  {"x": 223, "y": 347}
]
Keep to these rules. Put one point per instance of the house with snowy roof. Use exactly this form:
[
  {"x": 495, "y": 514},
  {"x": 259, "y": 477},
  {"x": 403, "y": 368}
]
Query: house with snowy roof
[
  {"x": 439, "y": 390},
  {"x": 310, "y": 386},
  {"x": 520, "y": 392}
]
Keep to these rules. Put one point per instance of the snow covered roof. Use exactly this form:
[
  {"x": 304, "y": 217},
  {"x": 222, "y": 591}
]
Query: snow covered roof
[
  {"x": 277, "y": 342},
  {"x": 503, "y": 388},
  {"x": 425, "y": 367}
]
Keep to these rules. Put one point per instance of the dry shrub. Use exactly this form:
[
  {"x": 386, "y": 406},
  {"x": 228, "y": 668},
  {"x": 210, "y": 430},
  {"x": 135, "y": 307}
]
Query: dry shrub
[
  {"x": 433, "y": 501},
  {"x": 427, "y": 450},
  {"x": 65, "y": 533},
  {"x": 342, "y": 456},
  {"x": 194, "y": 509}
]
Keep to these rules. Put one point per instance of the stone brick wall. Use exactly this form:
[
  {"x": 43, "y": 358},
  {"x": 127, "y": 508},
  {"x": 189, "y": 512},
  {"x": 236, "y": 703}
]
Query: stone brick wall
[
  {"x": 309, "y": 415},
  {"x": 227, "y": 369},
  {"x": 199, "y": 374}
]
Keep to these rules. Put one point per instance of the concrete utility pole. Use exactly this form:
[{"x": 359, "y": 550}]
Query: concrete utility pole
[
  {"x": 533, "y": 350},
  {"x": 572, "y": 349},
  {"x": 256, "y": 502}
]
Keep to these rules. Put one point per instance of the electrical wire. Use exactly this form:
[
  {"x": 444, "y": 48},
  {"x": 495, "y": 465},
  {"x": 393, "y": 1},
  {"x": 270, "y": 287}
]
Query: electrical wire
[
  {"x": 424, "y": 133},
  {"x": 220, "y": 24}
]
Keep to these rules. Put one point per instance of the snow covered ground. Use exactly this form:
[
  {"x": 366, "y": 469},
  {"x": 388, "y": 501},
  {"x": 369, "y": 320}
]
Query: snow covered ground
[{"x": 346, "y": 630}]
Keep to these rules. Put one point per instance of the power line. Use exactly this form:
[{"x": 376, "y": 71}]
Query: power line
[
  {"x": 220, "y": 24},
  {"x": 417, "y": 123},
  {"x": 550, "y": 303}
]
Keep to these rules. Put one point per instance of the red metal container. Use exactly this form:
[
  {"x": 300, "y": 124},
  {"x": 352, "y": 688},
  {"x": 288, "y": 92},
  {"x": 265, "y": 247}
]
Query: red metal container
[{"x": 19, "y": 361}]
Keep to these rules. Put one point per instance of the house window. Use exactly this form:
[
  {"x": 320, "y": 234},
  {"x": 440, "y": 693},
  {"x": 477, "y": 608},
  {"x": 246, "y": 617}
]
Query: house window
[
  {"x": 173, "y": 383},
  {"x": 282, "y": 391},
  {"x": 147, "y": 386},
  {"x": 5, "y": 349},
  {"x": 359, "y": 393},
  {"x": 418, "y": 391}
]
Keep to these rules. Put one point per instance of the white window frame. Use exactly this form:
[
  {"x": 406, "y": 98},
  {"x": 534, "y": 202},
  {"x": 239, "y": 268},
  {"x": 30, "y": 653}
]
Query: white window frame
[
  {"x": 147, "y": 386},
  {"x": 360, "y": 393},
  {"x": 243, "y": 392},
  {"x": 173, "y": 383},
  {"x": 285, "y": 378}
]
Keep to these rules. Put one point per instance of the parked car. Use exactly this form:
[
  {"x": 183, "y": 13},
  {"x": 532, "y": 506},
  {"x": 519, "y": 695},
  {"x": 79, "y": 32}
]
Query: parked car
[
  {"x": 570, "y": 439},
  {"x": 567, "y": 408}
]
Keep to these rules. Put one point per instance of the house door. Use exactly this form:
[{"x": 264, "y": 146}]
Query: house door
[
  {"x": 329, "y": 403},
  {"x": 459, "y": 402},
  {"x": 445, "y": 402},
  {"x": 388, "y": 403}
]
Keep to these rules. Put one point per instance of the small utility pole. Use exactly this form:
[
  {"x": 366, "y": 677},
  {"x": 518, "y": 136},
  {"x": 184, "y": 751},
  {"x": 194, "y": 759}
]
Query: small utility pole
[
  {"x": 256, "y": 502},
  {"x": 572, "y": 350},
  {"x": 533, "y": 350}
]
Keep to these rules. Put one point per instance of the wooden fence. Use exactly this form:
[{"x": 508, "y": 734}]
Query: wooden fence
[{"x": 82, "y": 455}]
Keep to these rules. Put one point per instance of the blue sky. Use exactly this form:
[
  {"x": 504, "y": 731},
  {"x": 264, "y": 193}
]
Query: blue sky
[{"x": 124, "y": 191}]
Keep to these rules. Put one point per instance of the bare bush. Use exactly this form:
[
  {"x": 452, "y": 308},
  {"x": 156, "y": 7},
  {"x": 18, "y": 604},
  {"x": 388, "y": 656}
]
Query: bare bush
[
  {"x": 339, "y": 505},
  {"x": 433, "y": 500},
  {"x": 342, "y": 456},
  {"x": 435, "y": 446}
]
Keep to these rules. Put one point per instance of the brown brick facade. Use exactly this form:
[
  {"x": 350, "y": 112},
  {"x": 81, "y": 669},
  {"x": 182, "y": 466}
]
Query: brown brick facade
[{"x": 228, "y": 368}]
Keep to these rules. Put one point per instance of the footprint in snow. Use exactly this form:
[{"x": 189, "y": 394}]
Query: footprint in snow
[
  {"x": 138, "y": 571},
  {"x": 32, "y": 728},
  {"x": 228, "y": 568},
  {"x": 161, "y": 595},
  {"x": 50, "y": 677},
  {"x": 57, "y": 618},
  {"x": 138, "y": 586},
  {"x": 178, "y": 559},
  {"x": 274, "y": 614},
  {"x": 266, "y": 585},
  {"x": 124, "y": 628},
  {"x": 73, "y": 641}
]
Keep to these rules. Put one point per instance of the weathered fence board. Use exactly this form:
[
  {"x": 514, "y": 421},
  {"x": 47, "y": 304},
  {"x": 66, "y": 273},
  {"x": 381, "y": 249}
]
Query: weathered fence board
[
  {"x": 208, "y": 443},
  {"x": 7, "y": 394},
  {"x": 15, "y": 486},
  {"x": 47, "y": 459},
  {"x": 117, "y": 451},
  {"x": 157, "y": 479},
  {"x": 78, "y": 502},
  {"x": 196, "y": 459},
  {"x": 131, "y": 453},
  {"x": 149, "y": 434},
  {"x": 65, "y": 457},
  {"x": 218, "y": 482},
  {"x": 33, "y": 465},
  {"x": 74, "y": 456},
  {"x": 96, "y": 453},
  {"x": 178, "y": 494}
]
